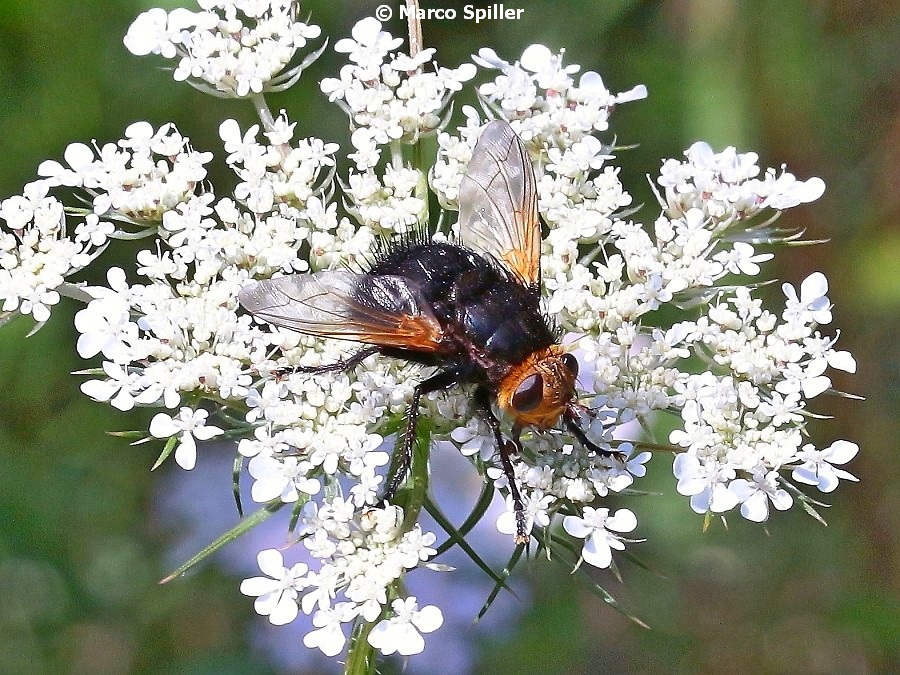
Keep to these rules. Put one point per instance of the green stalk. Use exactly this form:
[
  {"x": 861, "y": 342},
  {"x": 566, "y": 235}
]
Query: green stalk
[
  {"x": 268, "y": 121},
  {"x": 418, "y": 477},
  {"x": 418, "y": 162},
  {"x": 361, "y": 657}
]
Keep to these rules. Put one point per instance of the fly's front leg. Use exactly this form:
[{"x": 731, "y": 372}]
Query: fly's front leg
[
  {"x": 341, "y": 365},
  {"x": 437, "y": 382},
  {"x": 572, "y": 426},
  {"x": 506, "y": 448}
]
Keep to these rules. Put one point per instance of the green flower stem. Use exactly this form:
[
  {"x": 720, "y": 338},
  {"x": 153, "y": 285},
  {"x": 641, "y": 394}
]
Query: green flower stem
[
  {"x": 361, "y": 657},
  {"x": 268, "y": 121},
  {"x": 262, "y": 110},
  {"x": 418, "y": 162},
  {"x": 418, "y": 478},
  {"x": 414, "y": 26}
]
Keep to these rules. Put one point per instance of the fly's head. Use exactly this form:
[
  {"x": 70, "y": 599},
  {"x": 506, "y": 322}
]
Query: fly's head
[{"x": 537, "y": 391}]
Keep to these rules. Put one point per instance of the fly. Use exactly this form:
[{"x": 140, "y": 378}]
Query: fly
[{"x": 469, "y": 309}]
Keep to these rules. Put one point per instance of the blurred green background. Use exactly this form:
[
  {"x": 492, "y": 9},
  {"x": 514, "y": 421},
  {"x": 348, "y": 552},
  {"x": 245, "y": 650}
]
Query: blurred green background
[{"x": 813, "y": 84}]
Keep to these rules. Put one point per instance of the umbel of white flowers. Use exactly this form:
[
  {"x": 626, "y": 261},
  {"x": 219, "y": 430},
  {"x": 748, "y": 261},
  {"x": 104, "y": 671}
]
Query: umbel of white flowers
[{"x": 173, "y": 336}]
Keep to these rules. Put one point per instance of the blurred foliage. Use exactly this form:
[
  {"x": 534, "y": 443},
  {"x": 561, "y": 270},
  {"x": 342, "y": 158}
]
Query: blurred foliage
[{"x": 812, "y": 84}]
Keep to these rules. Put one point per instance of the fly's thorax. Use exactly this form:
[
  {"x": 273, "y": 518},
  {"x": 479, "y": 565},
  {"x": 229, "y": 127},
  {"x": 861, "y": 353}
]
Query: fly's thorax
[{"x": 536, "y": 391}]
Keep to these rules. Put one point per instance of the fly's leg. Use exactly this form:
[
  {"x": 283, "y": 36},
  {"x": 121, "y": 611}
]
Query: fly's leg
[
  {"x": 343, "y": 364},
  {"x": 437, "y": 382},
  {"x": 572, "y": 426},
  {"x": 506, "y": 448}
]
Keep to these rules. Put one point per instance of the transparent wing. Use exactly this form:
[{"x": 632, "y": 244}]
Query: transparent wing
[
  {"x": 498, "y": 203},
  {"x": 388, "y": 311}
]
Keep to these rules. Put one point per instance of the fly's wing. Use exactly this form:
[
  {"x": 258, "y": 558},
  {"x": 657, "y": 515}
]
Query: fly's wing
[
  {"x": 388, "y": 311},
  {"x": 498, "y": 203}
]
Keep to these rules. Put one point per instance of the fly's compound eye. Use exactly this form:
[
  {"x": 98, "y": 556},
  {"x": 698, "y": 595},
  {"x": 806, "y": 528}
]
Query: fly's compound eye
[
  {"x": 571, "y": 364},
  {"x": 529, "y": 393}
]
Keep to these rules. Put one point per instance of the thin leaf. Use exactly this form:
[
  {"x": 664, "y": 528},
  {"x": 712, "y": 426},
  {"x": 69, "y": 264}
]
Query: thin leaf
[
  {"x": 615, "y": 571},
  {"x": 392, "y": 426},
  {"x": 134, "y": 236},
  {"x": 127, "y": 434},
  {"x": 236, "y": 483},
  {"x": 501, "y": 583},
  {"x": 37, "y": 326},
  {"x": 6, "y": 317},
  {"x": 361, "y": 657},
  {"x": 596, "y": 588},
  {"x": 801, "y": 496},
  {"x": 457, "y": 538},
  {"x": 234, "y": 421},
  {"x": 166, "y": 451},
  {"x": 844, "y": 394},
  {"x": 296, "y": 510},
  {"x": 640, "y": 493},
  {"x": 564, "y": 542},
  {"x": 416, "y": 491},
  {"x": 811, "y": 511},
  {"x": 805, "y": 500},
  {"x": 477, "y": 513},
  {"x": 640, "y": 563},
  {"x": 245, "y": 525},
  {"x": 75, "y": 292},
  {"x": 656, "y": 447},
  {"x": 288, "y": 78},
  {"x": 89, "y": 371}
]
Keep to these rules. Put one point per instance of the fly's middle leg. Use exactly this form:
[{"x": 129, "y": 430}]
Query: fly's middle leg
[{"x": 437, "y": 382}]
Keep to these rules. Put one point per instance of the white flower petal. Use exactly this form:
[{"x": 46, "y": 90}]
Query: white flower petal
[
  {"x": 428, "y": 619},
  {"x": 577, "y": 527},
  {"x": 162, "y": 426},
  {"x": 756, "y": 507},
  {"x": 623, "y": 521},
  {"x": 842, "y": 361},
  {"x": 596, "y": 551},
  {"x": 259, "y": 586},
  {"x": 271, "y": 562},
  {"x": 841, "y": 452},
  {"x": 186, "y": 452},
  {"x": 284, "y": 612}
]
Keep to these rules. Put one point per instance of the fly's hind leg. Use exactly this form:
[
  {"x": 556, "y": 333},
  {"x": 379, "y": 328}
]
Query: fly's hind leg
[
  {"x": 437, "y": 382},
  {"x": 341, "y": 365},
  {"x": 506, "y": 448}
]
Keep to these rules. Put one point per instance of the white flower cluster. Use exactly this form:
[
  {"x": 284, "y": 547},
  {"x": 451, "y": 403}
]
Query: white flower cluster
[
  {"x": 555, "y": 117},
  {"x": 232, "y": 47},
  {"x": 177, "y": 339},
  {"x": 738, "y": 376},
  {"x": 724, "y": 186},
  {"x": 136, "y": 180},
  {"x": 604, "y": 275},
  {"x": 37, "y": 254},
  {"x": 390, "y": 96},
  {"x": 391, "y": 99},
  {"x": 743, "y": 427},
  {"x": 361, "y": 557}
]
